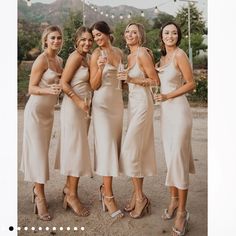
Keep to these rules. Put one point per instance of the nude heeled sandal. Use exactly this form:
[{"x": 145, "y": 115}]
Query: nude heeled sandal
[
  {"x": 146, "y": 207},
  {"x": 166, "y": 215},
  {"x": 114, "y": 214},
  {"x": 79, "y": 212},
  {"x": 131, "y": 204},
  {"x": 185, "y": 228},
  {"x": 40, "y": 203}
]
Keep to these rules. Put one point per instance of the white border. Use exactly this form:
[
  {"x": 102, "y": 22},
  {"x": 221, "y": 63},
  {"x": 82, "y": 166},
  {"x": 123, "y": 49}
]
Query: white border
[{"x": 8, "y": 120}]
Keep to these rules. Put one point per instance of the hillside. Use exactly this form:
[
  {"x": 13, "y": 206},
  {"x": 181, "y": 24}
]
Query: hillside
[{"x": 58, "y": 11}]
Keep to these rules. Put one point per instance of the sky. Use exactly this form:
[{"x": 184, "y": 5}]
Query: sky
[{"x": 168, "y": 6}]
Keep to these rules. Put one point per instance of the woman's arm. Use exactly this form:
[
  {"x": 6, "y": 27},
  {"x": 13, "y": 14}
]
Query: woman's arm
[
  {"x": 73, "y": 63},
  {"x": 96, "y": 67},
  {"x": 147, "y": 66},
  {"x": 39, "y": 67}
]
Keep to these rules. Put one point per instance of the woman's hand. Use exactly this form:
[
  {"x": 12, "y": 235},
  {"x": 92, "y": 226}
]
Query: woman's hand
[
  {"x": 83, "y": 106},
  {"x": 101, "y": 62},
  {"x": 54, "y": 89},
  {"x": 160, "y": 97}
]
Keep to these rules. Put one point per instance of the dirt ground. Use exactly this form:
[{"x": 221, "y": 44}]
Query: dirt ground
[{"x": 100, "y": 223}]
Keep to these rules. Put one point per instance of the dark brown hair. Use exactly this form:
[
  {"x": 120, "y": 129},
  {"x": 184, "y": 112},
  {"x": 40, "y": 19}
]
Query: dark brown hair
[
  {"x": 163, "y": 49},
  {"x": 103, "y": 27}
]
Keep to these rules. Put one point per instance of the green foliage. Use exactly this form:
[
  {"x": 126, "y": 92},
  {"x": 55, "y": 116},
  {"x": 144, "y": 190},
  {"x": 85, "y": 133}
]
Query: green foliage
[
  {"x": 73, "y": 22},
  {"x": 29, "y": 36},
  {"x": 161, "y": 19},
  {"x": 197, "y": 26},
  {"x": 200, "y": 92}
]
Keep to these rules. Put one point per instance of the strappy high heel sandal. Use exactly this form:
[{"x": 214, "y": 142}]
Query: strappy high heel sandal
[
  {"x": 40, "y": 207},
  {"x": 131, "y": 204},
  {"x": 182, "y": 232},
  {"x": 168, "y": 215},
  {"x": 75, "y": 206},
  {"x": 141, "y": 212},
  {"x": 114, "y": 214}
]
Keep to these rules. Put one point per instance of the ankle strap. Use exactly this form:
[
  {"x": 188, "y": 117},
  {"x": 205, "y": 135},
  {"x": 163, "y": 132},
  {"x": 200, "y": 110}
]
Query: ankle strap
[{"x": 109, "y": 197}]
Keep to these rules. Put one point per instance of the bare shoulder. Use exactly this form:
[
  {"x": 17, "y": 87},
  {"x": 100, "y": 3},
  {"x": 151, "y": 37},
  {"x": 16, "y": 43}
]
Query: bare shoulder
[
  {"x": 41, "y": 62},
  {"x": 118, "y": 50},
  {"x": 180, "y": 54},
  {"x": 143, "y": 51}
]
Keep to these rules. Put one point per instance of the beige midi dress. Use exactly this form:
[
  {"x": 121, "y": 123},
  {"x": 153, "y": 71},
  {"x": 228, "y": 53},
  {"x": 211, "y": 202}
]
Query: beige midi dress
[
  {"x": 176, "y": 128},
  {"x": 74, "y": 147},
  {"x": 107, "y": 118},
  {"x": 38, "y": 123},
  {"x": 138, "y": 151}
]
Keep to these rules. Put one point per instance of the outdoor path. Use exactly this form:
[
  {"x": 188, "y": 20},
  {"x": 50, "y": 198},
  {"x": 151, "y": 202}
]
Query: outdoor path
[{"x": 100, "y": 223}]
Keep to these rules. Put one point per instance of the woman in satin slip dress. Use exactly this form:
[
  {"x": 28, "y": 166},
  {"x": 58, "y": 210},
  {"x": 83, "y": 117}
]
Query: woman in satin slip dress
[
  {"x": 74, "y": 152},
  {"x": 137, "y": 154},
  {"x": 107, "y": 112},
  {"x": 44, "y": 89},
  {"x": 176, "y": 78}
]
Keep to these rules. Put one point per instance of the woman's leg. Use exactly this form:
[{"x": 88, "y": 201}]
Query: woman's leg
[
  {"x": 180, "y": 221},
  {"x": 39, "y": 200},
  {"x": 71, "y": 198},
  {"x": 141, "y": 202}
]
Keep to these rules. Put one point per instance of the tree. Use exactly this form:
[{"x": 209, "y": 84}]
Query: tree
[
  {"x": 73, "y": 22},
  {"x": 29, "y": 36},
  {"x": 162, "y": 18},
  {"x": 197, "y": 27}
]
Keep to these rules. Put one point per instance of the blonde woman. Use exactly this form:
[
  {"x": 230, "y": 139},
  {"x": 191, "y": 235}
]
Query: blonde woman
[
  {"x": 74, "y": 158},
  {"x": 107, "y": 112},
  {"x": 38, "y": 117},
  {"x": 138, "y": 156}
]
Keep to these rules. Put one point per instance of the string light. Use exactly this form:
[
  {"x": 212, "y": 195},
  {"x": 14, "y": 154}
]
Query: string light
[
  {"x": 156, "y": 10},
  {"x": 142, "y": 14},
  {"x": 29, "y": 3},
  {"x": 129, "y": 15},
  {"x": 121, "y": 17}
]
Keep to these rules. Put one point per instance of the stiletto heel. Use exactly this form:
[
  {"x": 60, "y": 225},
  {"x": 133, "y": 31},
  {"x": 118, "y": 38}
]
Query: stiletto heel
[
  {"x": 185, "y": 227},
  {"x": 166, "y": 215},
  {"x": 114, "y": 214},
  {"x": 146, "y": 207}
]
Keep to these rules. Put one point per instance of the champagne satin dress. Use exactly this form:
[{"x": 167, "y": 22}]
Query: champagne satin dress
[
  {"x": 107, "y": 117},
  {"x": 74, "y": 151},
  {"x": 138, "y": 153},
  {"x": 176, "y": 128},
  {"x": 38, "y": 123}
]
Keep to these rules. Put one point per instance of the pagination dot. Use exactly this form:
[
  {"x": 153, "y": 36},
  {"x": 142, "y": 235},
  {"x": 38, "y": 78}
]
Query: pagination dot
[{"x": 11, "y": 228}]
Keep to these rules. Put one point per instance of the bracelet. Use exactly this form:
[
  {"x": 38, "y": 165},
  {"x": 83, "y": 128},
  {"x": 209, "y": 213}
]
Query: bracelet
[{"x": 71, "y": 94}]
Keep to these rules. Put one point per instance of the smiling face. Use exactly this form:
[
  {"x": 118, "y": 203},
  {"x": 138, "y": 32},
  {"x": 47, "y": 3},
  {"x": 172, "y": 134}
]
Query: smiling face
[
  {"x": 85, "y": 42},
  {"x": 132, "y": 35},
  {"x": 170, "y": 35},
  {"x": 100, "y": 38},
  {"x": 54, "y": 40}
]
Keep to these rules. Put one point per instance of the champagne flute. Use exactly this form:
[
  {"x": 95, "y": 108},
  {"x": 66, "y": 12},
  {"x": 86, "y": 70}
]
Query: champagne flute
[
  {"x": 104, "y": 55},
  {"x": 155, "y": 90},
  {"x": 87, "y": 101},
  {"x": 121, "y": 69}
]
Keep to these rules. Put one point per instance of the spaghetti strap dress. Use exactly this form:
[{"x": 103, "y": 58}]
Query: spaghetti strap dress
[
  {"x": 74, "y": 151},
  {"x": 107, "y": 118},
  {"x": 176, "y": 128},
  {"x": 38, "y": 123},
  {"x": 138, "y": 152}
]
